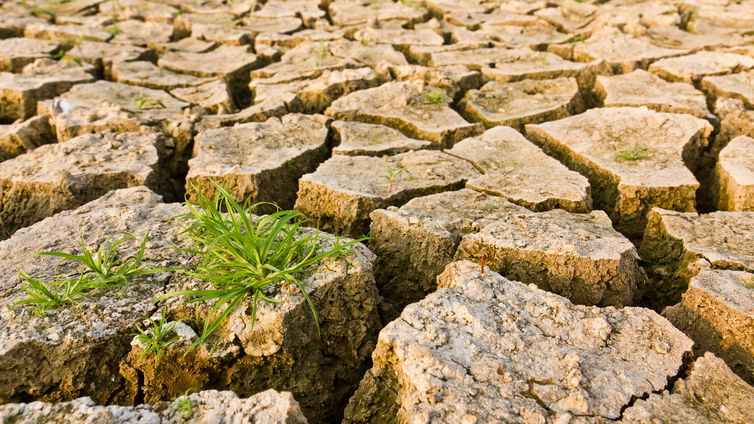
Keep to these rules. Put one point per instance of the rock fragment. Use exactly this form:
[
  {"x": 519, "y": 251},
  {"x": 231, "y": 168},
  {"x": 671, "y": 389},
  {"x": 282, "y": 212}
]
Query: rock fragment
[
  {"x": 360, "y": 139},
  {"x": 411, "y": 107},
  {"x": 734, "y": 176},
  {"x": 735, "y": 86},
  {"x": 146, "y": 74},
  {"x": 259, "y": 162},
  {"x": 694, "y": 67},
  {"x": 342, "y": 192},
  {"x": 520, "y": 172},
  {"x": 74, "y": 351},
  {"x": 524, "y": 102},
  {"x": 634, "y": 158},
  {"x": 24, "y": 136},
  {"x": 717, "y": 312},
  {"x": 15, "y": 53},
  {"x": 519, "y": 64},
  {"x": 268, "y": 407},
  {"x": 641, "y": 88},
  {"x": 677, "y": 245},
  {"x": 622, "y": 52},
  {"x": 57, "y": 177},
  {"x": 711, "y": 393},
  {"x": 486, "y": 349}
]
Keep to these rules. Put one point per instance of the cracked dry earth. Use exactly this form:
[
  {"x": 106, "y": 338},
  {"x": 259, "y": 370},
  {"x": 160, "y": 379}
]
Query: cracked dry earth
[{"x": 559, "y": 197}]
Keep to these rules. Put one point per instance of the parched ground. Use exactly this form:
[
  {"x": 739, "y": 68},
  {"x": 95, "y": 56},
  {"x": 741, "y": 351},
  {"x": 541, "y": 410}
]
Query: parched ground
[{"x": 559, "y": 199}]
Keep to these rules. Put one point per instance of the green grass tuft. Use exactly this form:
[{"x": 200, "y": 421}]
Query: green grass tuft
[
  {"x": 633, "y": 154},
  {"x": 435, "y": 96},
  {"x": 156, "y": 337},
  {"x": 244, "y": 257},
  {"x": 54, "y": 294}
]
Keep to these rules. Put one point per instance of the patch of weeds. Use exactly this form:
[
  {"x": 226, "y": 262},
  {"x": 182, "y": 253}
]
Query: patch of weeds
[
  {"x": 104, "y": 265},
  {"x": 185, "y": 406},
  {"x": 375, "y": 6},
  {"x": 435, "y": 95},
  {"x": 577, "y": 39},
  {"x": 114, "y": 29},
  {"x": 244, "y": 258},
  {"x": 321, "y": 54},
  {"x": 156, "y": 336},
  {"x": 235, "y": 22},
  {"x": 749, "y": 283},
  {"x": 62, "y": 291},
  {"x": 145, "y": 101},
  {"x": 633, "y": 154},
  {"x": 63, "y": 55},
  {"x": 374, "y": 141},
  {"x": 489, "y": 208},
  {"x": 392, "y": 174},
  {"x": 39, "y": 11},
  {"x": 61, "y": 1}
]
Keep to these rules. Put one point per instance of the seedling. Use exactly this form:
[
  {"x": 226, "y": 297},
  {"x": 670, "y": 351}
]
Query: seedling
[
  {"x": 114, "y": 29},
  {"x": 489, "y": 208},
  {"x": 37, "y": 11},
  {"x": 145, "y": 101},
  {"x": 63, "y": 55},
  {"x": 53, "y": 294},
  {"x": 156, "y": 336},
  {"x": 374, "y": 141},
  {"x": 435, "y": 95},
  {"x": 185, "y": 405},
  {"x": 577, "y": 39},
  {"x": 633, "y": 154},
  {"x": 245, "y": 258},
  {"x": 749, "y": 283},
  {"x": 235, "y": 22},
  {"x": 391, "y": 174},
  {"x": 321, "y": 54},
  {"x": 375, "y": 6}
]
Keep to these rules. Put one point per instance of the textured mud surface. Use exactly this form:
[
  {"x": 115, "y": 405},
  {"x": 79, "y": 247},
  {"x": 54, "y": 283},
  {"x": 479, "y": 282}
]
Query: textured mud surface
[{"x": 559, "y": 199}]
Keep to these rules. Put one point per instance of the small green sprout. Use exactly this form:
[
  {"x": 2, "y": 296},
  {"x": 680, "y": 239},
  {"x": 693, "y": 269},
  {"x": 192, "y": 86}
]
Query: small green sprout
[
  {"x": 749, "y": 282},
  {"x": 375, "y": 5},
  {"x": 235, "y": 22},
  {"x": 635, "y": 153},
  {"x": 104, "y": 265},
  {"x": 145, "y": 101},
  {"x": 577, "y": 39},
  {"x": 391, "y": 175},
  {"x": 374, "y": 141},
  {"x": 321, "y": 54},
  {"x": 185, "y": 405},
  {"x": 435, "y": 95},
  {"x": 489, "y": 208},
  {"x": 37, "y": 11},
  {"x": 156, "y": 336},
  {"x": 245, "y": 258},
  {"x": 54, "y": 294}
]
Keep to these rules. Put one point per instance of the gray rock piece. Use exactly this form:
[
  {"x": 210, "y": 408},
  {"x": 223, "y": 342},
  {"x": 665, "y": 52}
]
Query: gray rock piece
[
  {"x": 486, "y": 349},
  {"x": 15, "y": 53},
  {"x": 360, "y": 139},
  {"x": 634, "y": 158},
  {"x": 694, "y": 67},
  {"x": 736, "y": 86},
  {"x": 734, "y": 176},
  {"x": 259, "y": 162},
  {"x": 146, "y": 74},
  {"x": 24, "y": 136}
]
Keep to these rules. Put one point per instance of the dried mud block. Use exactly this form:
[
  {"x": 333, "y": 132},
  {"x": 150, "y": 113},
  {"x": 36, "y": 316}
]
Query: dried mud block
[
  {"x": 24, "y": 136},
  {"x": 307, "y": 10},
  {"x": 360, "y": 139},
  {"x": 103, "y": 55},
  {"x": 259, "y": 162},
  {"x": 520, "y": 64},
  {"x": 641, "y": 88},
  {"x": 524, "y": 102},
  {"x": 42, "y": 79},
  {"x": 146, "y": 74},
  {"x": 454, "y": 79},
  {"x": 188, "y": 44},
  {"x": 717, "y": 312},
  {"x": 344, "y": 190},
  {"x": 486, "y": 349},
  {"x": 678, "y": 245},
  {"x": 735, "y": 120},
  {"x": 307, "y": 60},
  {"x": 54, "y": 32},
  {"x": 710, "y": 394},
  {"x": 15, "y": 53},
  {"x": 398, "y": 37},
  {"x": 472, "y": 58},
  {"x": 622, "y": 52},
  {"x": 520, "y": 172},
  {"x": 634, "y": 158},
  {"x": 316, "y": 94},
  {"x": 735, "y": 86},
  {"x": 57, "y": 177},
  {"x": 344, "y": 13},
  {"x": 12, "y": 24},
  {"x": 74, "y": 351},
  {"x": 373, "y": 56},
  {"x": 232, "y": 63},
  {"x": 734, "y": 176},
  {"x": 411, "y": 107},
  {"x": 268, "y": 407},
  {"x": 692, "y": 68},
  {"x": 578, "y": 256},
  {"x": 214, "y": 96},
  {"x": 413, "y": 244},
  {"x": 283, "y": 349},
  {"x": 254, "y": 113},
  {"x": 137, "y": 33},
  {"x": 536, "y": 36}
]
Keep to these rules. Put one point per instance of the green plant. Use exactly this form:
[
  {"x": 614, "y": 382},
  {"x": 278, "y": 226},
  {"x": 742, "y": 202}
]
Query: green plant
[
  {"x": 577, "y": 39},
  {"x": 114, "y": 29},
  {"x": 321, "y": 54},
  {"x": 489, "y": 208},
  {"x": 104, "y": 266},
  {"x": 390, "y": 176},
  {"x": 63, "y": 55},
  {"x": 144, "y": 100},
  {"x": 375, "y": 5},
  {"x": 244, "y": 257},
  {"x": 156, "y": 336},
  {"x": 634, "y": 153},
  {"x": 374, "y": 141},
  {"x": 54, "y": 294},
  {"x": 435, "y": 95},
  {"x": 185, "y": 405},
  {"x": 37, "y": 11}
]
